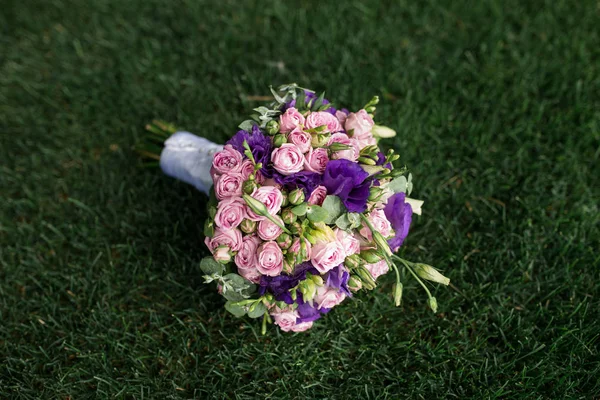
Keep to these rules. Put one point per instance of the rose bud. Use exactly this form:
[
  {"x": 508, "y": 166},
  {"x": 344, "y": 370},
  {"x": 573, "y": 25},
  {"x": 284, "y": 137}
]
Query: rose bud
[
  {"x": 296, "y": 228},
  {"x": 320, "y": 139},
  {"x": 288, "y": 216},
  {"x": 284, "y": 240},
  {"x": 288, "y": 267},
  {"x": 222, "y": 254},
  {"x": 370, "y": 256},
  {"x": 354, "y": 283},
  {"x": 285, "y": 201},
  {"x": 353, "y": 261},
  {"x": 248, "y": 226},
  {"x": 278, "y": 140},
  {"x": 272, "y": 127},
  {"x": 249, "y": 186},
  {"x": 296, "y": 197}
]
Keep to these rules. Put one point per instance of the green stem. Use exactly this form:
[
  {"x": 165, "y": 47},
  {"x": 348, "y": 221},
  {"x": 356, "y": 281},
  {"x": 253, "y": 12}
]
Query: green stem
[{"x": 406, "y": 264}]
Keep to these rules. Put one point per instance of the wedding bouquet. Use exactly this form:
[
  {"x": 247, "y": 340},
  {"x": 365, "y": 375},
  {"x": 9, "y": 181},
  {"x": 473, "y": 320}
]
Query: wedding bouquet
[{"x": 305, "y": 209}]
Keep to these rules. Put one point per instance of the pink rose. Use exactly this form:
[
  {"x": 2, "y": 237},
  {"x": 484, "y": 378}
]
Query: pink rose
[
  {"x": 295, "y": 248},
  {"x": 285, "y": 319},
  {"x": 231, "y": 238},
  {"x": 350, "y": 154},
  {"x": 317, "y": 197},
  {"x": 316, "y": 160},
  {"x": 341, "y": 116},
  {"x": 378, "y": 269},
  {"x": 222, "y": 254},
  {"x": 270, "y": 259},
  {"x": 229, "y": 185},
  {"x": 271, "y": 197},
  {"x": 247, "y": 168},
  {"x": 326, "y": 256},
  {"x": 321, "y": 118},
  {"x": 267, "y": 230},
  {"x": 251, "y": 274},
  {"x": 380, "y": 222},
  {"x": 230, "y": 213},
  {"x": 349, "y": 242},
  {"x": 290, "y": 120},
  {"x": 360, "y": 123},
  {"x": 328, "y": 297},
  {"x": 227, "y": 160},
  {"x": 302, "y": 326},
  {"x": 287, "y": 159},
  {"x": 301, "y": 139},
  {"x": 246, "y": 257}
]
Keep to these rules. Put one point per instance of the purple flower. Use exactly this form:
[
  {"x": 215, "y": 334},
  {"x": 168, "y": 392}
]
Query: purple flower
[
  {"x": 305, "y": 180},
  {"x": 260, "y": 145},
  {"x": 308, "y": 96},
  {"x": 280, "y": 285},
  {"x": 381, "y": 160},
  {"x": 399, "y": 213},
  {"x": 338, "y": 278},
  {"x": 306, "y": 311},
  {"x": 348, "y": 181}
]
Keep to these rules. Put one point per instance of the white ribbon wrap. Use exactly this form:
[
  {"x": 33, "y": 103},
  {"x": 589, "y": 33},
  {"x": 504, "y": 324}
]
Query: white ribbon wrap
[{"x": 188, "y": 157}]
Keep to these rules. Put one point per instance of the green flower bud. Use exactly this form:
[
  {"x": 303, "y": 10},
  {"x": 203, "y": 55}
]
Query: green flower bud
[
  {"x": 288, "y": 216},
  {"x": 335, "y": 146},
  {"x": 248, "y": 226},
  {"x": 354, "y": 283},
  {"x": 317, "y": 279},
  {"x": 296, "y": 197},
  {"x": 320, "y": 139},
  {"x": 433, "y": 304},
  {"x": 375, "y": 193},
  {"x": 431, "y": 274},
  {"x": 278, "y": 140},
  {"x": 285, "y": 201},
  {"x": 398, "y": 293},
  {"x": 371, "y": 256},
  {"x": 284, "y": 241},
  {"x": 353, "y": 261},
  {"x": 288, "y": 267},
  {"x": 366, "y": 161},
  {"x": 366, "y": 276},
  {"x": 249, "y": 186},
  {"x": 272, "y": 127},
  {"x": 308, "y": 289},
  {"x": 296, "y": 228}
]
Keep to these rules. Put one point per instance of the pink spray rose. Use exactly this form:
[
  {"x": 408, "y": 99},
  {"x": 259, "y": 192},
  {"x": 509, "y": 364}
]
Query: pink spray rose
[
  {"x": 267, "y": 230},
  {"x": 271, "y": 197},
  {"x": 380, "y": 222},
  {"x": 341, "y": 116},
  {"x": 328, "y": 297},
  {"x": 316, "y": 160},
  {"x": 270, "y": 259},
  {"x": 327, "y": 255},
  {"x": 246, "y": 258},
  {"x": 317, "y": 197},
  {"x": 222, "y": 254},
  {"x": 361, "y": 124},
  {"x": 290, "y": 120},
  {"x": 321, "y": 118},
  {"x": 247, "y": 168},
  {"x": 231, "y": 238},
  {"x": 302, "y": 326},
  {"x": 351, "y": 154},
  {"x": 301, "y": 139},
  {"x": 378, "y": 269},
  {"x": 230, "y": 213},
  {"x": 287, "y": 159},
  {"x": 229, "y": 185},
  {"x": 349, "y": 242},
  {"x": 227, "y": 160}
]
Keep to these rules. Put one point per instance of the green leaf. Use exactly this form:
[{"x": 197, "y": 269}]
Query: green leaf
[
  {"x": 247, "y": 125},
  {"x": 232, "y": 295},
  {"x": 409, "y": 184},
  {"x": 300, "y": 209},
  {"x": 334, "y": 207},
  {"x": 300, "y": 105},
  {"x": 257, "y": 310},
  {"x": 236, "y": 309},
  {"x": 398, "y": 184},
  {"x": 317, "y": 214},
  {"x": 354, "y": 219},
  {"x": 209, "y": 266},
  {"x": 319, "y": 102},
  {"x": 342, "y": 222},
  {"x": 238, "y": 282}
]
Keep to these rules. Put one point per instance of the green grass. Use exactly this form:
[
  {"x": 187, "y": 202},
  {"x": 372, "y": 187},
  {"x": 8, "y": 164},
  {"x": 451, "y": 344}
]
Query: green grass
[{"x": 497, "y": 108}]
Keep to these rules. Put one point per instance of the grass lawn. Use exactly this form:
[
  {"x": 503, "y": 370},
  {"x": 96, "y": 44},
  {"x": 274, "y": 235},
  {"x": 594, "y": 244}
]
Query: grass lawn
[{"x": 497, "y": 108}]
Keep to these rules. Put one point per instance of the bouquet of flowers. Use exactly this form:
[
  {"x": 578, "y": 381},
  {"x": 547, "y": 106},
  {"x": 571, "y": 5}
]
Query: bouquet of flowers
[{"x": 305, "y": 209}]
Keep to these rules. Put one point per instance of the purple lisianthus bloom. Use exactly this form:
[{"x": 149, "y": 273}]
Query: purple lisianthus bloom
[
  {"x": 308, "y": 96},
  {"x": 280, "y": 285},
  {"x": 348, "y": 181},
  {"x": 381, "y": 160},
  {"x": 399, "y": 213},
  {"x": 306, "y": 311},
  {"x": 305, "y": 180},
  {"x": 338, "y": 278},
  {"x": 260, "y": 145}
]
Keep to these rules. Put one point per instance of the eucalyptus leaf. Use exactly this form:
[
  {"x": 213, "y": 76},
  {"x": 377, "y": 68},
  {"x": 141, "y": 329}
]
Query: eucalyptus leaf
[
  {"x": 317, "y": 214},
  {"x": 343, "y": 222},
  {"x": 257, "y": 310},
  {"x": 237, "y": 282},
  {"x": 300, "y": 209},
  {"x": 232, "y": 295},
  {"x": 209, "y": 266},
  {"x": 334, "y": 207},
  {"x": 354, "y": 219},
  {"x": 235, "y": 309},
  {"x": 398, "y": 185},
  {"x": 247, "y": 125}
]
